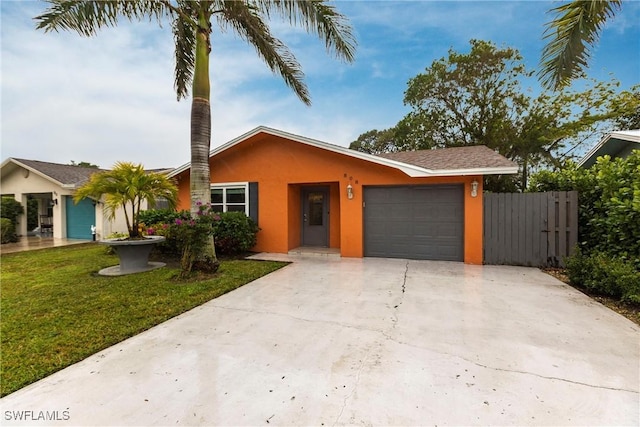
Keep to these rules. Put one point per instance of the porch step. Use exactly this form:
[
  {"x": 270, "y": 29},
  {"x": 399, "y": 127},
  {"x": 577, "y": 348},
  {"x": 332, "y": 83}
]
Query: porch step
[{"x": 315, "y": 251}]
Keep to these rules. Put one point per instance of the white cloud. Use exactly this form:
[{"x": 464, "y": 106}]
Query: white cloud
[{"x": 111, "y": 97}]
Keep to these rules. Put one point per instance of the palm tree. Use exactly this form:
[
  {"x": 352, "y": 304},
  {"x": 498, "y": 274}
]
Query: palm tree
[
  {"x": 126, "y": 186},
  {"x": 570, "y": 37},
  {"x": 191, "y": 24}
]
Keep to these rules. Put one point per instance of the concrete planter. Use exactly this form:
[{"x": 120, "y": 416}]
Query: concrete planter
[{"x": 133, "y": 254}]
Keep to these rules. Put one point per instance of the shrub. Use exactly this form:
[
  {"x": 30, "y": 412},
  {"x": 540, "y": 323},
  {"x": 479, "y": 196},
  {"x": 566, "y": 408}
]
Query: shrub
[
  {"x": 609, "y": 202},
  {"x": 602, "y": 273},
  {"x": 187, "y": 236},
  {"x": 162, "y": 216},
  {"x": 192, "y": 237},
  {"x": 11, "y": 209},
  {"x": 234, "y": 233},
  {"x": 7, "y": 231}
]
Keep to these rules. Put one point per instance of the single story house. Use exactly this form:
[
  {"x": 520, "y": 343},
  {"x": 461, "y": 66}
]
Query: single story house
[
  {"x": 615, "y": 144},
  {"x": 308, "y": 193},
  {"x": 53, "y": 186}
]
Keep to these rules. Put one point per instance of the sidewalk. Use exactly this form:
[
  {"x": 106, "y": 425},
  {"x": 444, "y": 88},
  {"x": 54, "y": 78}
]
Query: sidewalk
[{"x": 29, "y": 243}]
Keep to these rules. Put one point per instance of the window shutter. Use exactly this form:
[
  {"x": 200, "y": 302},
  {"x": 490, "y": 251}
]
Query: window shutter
[{"x": 253, "y": 201}]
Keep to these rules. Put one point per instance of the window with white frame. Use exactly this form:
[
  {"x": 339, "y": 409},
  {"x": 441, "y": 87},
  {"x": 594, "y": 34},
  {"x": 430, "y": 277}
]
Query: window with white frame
[{"x": 231, "y": 197}]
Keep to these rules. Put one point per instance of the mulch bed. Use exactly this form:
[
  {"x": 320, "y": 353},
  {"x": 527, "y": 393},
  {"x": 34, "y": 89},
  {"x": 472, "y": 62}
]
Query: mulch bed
[{"x": 630, "y": 311}]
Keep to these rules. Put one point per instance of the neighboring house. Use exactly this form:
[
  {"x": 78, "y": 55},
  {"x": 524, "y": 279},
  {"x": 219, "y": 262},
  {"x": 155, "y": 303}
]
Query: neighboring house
[
  {"x": 307, "y": 193},
  {"x": 53, "y": 186},
  {"x": 614, "y": 144}
]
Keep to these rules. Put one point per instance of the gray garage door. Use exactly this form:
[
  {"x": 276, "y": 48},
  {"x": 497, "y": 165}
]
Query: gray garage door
[{"x": 415, "y": 222}]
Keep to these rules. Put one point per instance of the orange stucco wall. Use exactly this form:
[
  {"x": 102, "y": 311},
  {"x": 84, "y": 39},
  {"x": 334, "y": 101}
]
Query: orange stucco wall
[{"x": 282, "y": 167}]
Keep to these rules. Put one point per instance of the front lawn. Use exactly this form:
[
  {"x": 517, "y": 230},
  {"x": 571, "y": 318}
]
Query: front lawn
[{"x": 55, "y": 310}]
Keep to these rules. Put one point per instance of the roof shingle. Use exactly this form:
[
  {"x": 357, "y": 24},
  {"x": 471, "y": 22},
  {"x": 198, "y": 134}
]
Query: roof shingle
[
  {"x": 64, "y": 174},
  {"x": 453, "y": 158}
]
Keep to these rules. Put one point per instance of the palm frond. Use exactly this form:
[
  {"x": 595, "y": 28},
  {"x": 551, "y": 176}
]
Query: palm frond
[
  {"x": 184, "y": 36},
  {"x": 319, "y": 18},
  {"x": 249, "y": 25},
  {"x": 570, "y": 37},
  {"x": 87, "y": 17}
]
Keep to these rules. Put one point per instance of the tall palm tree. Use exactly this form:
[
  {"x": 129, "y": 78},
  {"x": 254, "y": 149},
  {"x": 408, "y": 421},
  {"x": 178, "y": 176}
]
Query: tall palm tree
[
  {"x": 570, "y": 37},
  {"x": 191, "y": 22},
  {"x": 126, "y": 186}
]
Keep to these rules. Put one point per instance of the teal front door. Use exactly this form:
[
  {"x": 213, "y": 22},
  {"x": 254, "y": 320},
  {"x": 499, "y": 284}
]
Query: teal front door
[{"x": 80, "y": 218}]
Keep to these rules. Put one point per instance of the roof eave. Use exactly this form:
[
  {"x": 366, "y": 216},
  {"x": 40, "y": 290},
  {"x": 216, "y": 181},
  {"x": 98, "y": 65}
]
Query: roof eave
[
  {"x": 36, "y": 171},
  {"x": 472, "y": 171},
  {"x": 590, "y": 158},
  {"x": 408, "y": 169}
]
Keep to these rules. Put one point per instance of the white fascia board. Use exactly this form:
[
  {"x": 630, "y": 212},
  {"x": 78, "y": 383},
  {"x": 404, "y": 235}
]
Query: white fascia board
[
  {"x": 594, "y": 149},
  {"x": 410, "y": 170},
  {"x": 627, "y": 135},
  {"x": 476, "y": 171},
  {"x": 37, "y": 172},
  {"x": 624, "y": 135}
]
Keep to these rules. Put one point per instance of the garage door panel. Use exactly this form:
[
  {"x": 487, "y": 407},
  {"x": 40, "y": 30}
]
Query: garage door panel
[
  {"x": 418, "y": 222},
  {"x": 80, "y": 217},
  {"x": 397, "y": 212},
  {"x": 400, "y": 229}
]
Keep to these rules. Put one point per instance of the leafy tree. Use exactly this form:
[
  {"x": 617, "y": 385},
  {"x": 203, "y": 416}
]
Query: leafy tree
[
  {"x": 571, "y": 36},
  {"x": 126, "y": 186},
  {"x": 630, "y": 118},
  {"x": 476, "y": 98},
  {"x": 84, "y": 165},
  {"x": 376, "y": 142},
  {"x": 191, "y": 24}
]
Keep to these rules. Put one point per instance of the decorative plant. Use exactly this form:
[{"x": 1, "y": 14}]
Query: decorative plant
[
  {"x": 126, "y": 186},
  {"x": 192, "y": 235}
]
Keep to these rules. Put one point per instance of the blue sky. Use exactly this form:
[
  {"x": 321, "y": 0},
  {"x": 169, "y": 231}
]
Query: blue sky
[{"x": 111, "y": 97}]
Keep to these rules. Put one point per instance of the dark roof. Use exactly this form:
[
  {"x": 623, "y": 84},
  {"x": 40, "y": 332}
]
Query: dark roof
[
  {"x": 453, "y": 158},
  {"x": 64, "y": 174}
]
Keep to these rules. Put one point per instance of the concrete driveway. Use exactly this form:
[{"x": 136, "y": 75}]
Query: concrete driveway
[{"x": 362, "y": 342}]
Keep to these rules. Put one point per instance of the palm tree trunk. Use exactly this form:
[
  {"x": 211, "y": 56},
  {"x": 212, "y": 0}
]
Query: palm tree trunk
[{"x": 201, "y": 129}]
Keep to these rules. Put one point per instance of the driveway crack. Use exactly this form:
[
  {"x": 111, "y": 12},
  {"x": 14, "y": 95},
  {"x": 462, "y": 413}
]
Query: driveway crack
[
  {"x": 404, "y": 280},
  {"x": 404, "y": 289},
  {"x": 302, "y": 319},
  {"x": 515, "y": 371},
  {"x": 355, "y": 386}
]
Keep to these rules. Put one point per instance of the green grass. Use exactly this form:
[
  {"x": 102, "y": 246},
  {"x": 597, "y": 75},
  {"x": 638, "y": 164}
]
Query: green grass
[{"x": 55, "y": 310}]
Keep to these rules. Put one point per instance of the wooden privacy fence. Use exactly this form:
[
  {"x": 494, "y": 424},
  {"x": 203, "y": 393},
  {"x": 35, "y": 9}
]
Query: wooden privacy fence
[{"x": 532, "y": 229}]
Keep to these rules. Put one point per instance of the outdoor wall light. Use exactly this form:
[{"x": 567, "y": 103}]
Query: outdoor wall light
[
  {"x": 474, "y": 188},
  {"x": 349, "y": 192},
  {"x": 54, "y": 202}
]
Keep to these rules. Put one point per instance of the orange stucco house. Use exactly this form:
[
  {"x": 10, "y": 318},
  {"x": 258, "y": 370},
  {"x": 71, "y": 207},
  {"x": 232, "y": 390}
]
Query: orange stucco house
[{"x": 308, "y": 193}]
